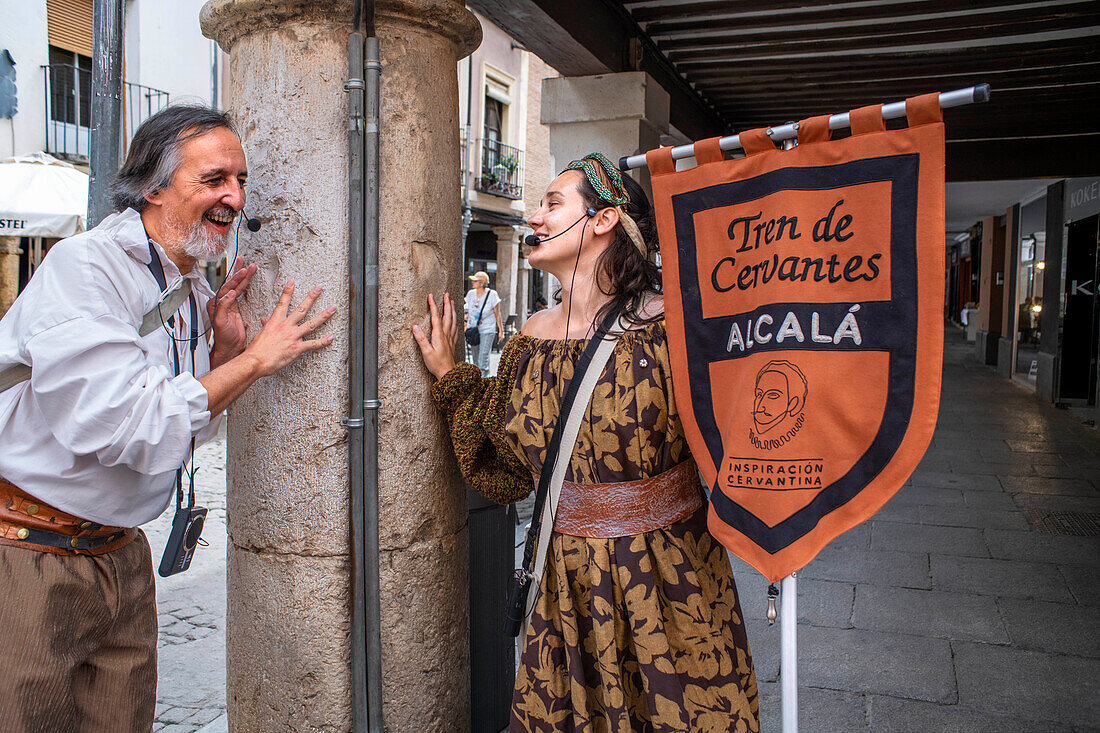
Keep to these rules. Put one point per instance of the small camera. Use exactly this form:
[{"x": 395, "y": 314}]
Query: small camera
[{"x": 184, "y": 538}]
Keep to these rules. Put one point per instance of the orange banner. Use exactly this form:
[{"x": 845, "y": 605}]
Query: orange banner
[{"x": 804, "y": 301}]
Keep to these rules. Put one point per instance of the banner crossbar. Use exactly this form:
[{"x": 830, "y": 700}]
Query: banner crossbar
[{"x": 894, "y": 110}]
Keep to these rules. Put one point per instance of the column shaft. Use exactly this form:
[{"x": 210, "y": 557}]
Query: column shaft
[{"x": 288, "y": 630}]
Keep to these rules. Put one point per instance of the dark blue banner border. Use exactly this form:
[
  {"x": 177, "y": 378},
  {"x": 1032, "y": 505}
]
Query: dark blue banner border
[{"x": 891, "y": 326}]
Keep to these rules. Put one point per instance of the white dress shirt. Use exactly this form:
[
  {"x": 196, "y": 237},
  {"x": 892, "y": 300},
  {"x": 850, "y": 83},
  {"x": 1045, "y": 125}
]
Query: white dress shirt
[{"x": 102, "y": 425}]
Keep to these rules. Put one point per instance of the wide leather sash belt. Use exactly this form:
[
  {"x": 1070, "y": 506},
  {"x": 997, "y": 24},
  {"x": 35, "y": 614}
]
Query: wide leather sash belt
[
  {"x": 35, "y": 525},
  {"x": 629, "y": 507}
]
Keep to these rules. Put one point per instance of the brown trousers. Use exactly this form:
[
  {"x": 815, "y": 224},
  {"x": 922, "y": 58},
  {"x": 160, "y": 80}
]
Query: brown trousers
[{"x": 78, "y": 640}]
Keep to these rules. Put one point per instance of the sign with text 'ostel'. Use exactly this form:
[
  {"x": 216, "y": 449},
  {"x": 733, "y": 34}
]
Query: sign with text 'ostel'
[{"x": 804, "y": 299}]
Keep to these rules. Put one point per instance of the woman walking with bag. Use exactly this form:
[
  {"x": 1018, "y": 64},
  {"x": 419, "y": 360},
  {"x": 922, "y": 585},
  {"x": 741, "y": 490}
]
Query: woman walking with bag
[
  {"x": 636, "y": 624},
  {"x": 481, "y": 331}
]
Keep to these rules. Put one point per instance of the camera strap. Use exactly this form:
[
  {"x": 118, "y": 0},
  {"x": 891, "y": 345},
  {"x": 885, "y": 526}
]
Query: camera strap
[{"x": 193, "y": 312}]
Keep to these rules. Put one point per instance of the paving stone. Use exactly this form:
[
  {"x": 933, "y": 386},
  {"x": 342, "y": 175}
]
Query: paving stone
[
  {"x": 894, "y": 715},
  {"x": 824, "y": 603},
  {"x": 910, "y": 494},
  {"x": 951, "y": 480},
  {"x": 897, "y": 537},
  {"x": 929, "y": 613},
  {"x": 874, "y": 662},
  {"x": 895, "y": 511},
  {"x": 819, "y": 710},
  {"x": 1027, "y": 684},
  {"x": 1001, "y": 500},
  {"x": 176, "y": 728},
  {"x": 1062, "y": 628},
  {"x": 1047, "y": 503},
  {"x": 985, "y": 576},
  {"x": 950, "y": 455},
  {"x": 175, "y": 715},
  {"x": 904, "y": 569},
  {"x": 1043, "y": 485},
  {"x": 764, "y": 645},
  {"x": 994, "y": 469},
  {"x": 858, "y": 537},
  {"x": 1043, "y": 547},
  {"x": 1083, "y": 582},
  {"x": 973, "y": 517},
  {"x": 1010, "y": 457},
  {"x": 1073, "y": 470}
]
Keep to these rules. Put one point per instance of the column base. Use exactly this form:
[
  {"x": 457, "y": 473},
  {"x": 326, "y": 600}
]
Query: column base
[
  {"x": 1004, "y": 357},
  {"x": 1046, "y": 380},
  {"x": 985, "y": 348}
]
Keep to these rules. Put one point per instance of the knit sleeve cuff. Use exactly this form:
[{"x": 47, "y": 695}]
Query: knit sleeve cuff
[{"x": 455, "y": 386}]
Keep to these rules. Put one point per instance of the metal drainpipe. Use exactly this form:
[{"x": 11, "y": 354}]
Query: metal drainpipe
[{"x": 362, "y": 423}]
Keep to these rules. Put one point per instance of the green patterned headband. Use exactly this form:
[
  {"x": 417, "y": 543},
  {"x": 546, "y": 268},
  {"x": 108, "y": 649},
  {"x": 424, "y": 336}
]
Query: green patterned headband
[{"x": 617, "y": 198}]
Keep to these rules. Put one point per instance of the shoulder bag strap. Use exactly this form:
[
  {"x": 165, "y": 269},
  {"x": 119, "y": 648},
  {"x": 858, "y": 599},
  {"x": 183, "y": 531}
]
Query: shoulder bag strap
[
  {"x": 483, "y": 303},
  {"x": 562, "y": 442}
]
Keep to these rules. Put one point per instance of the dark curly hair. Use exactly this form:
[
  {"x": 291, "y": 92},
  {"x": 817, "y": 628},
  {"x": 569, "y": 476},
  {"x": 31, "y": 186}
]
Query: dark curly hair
[{"x": 621, "y": 270}]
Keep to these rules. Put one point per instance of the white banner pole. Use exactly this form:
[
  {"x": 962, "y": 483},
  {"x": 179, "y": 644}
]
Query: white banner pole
[
  {"x": 788, "y": 651},
  {"x": 894, "y": 110}
]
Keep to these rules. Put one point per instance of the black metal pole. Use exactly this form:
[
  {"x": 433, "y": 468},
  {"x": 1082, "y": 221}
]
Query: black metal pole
[{"x": 105, "y": 154}]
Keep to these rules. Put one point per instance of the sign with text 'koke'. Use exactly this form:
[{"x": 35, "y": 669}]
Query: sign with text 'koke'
[{"x": 804, "y": 300}]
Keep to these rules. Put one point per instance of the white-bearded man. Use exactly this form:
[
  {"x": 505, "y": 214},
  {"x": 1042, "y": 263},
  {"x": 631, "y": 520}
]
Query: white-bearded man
[{"x": 105, "y": 390}]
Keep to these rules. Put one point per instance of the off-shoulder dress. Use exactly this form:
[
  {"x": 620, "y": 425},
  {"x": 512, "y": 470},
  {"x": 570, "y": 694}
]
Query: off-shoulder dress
[{"x": 635, "y": 633}]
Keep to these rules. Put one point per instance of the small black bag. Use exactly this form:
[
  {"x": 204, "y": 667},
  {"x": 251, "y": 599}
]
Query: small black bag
[{"x": 473, "y": 337}]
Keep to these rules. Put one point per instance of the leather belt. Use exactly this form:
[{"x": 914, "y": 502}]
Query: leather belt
[
  {"x": 629, "y": 507},
  {"x": 27, "y": 522}
]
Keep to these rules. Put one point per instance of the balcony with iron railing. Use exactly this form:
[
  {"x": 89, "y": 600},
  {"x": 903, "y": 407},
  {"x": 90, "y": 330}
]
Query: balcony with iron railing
[
  {"x": 69, "y": 104},
  {"x": 501, "y": 171}
]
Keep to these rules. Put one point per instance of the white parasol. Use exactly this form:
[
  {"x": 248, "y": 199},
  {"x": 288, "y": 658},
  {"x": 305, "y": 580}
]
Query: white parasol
[{"x": 41, "y": 196}]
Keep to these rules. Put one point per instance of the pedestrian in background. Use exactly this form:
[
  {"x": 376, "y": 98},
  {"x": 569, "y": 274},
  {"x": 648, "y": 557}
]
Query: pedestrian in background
[{"x": 483, "y": 312}]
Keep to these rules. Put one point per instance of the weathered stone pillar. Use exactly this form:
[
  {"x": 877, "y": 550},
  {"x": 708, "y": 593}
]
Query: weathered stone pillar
[
  {"x": 614, "y": 114},
  {"x": 288, "y": 655},
  {"x": 9, "y": 272},
  {"x": 507, "y": 268}
]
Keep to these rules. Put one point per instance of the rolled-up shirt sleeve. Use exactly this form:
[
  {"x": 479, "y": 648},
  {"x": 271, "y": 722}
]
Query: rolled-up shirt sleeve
[{"x": 100, "y": 394}]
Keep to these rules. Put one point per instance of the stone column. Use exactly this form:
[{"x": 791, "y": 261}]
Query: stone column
[
  {"x": 614, "y": 114},
  {"x": 288, "y": 656},
  {"x": 9, "y": 272},
  {"x": 523, "y": 292},
  {"x": 507, "y": 268}
]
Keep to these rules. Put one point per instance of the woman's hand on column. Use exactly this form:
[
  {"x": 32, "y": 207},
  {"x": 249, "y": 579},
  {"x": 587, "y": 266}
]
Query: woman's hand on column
[{"x": 439, "y": 351}]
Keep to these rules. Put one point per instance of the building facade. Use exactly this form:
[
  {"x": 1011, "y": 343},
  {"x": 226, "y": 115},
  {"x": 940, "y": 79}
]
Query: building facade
[
  {"x": 506, "y": 166},
  {"x": 1031, "y": 273},
  {"x": 46, "y": 51}
]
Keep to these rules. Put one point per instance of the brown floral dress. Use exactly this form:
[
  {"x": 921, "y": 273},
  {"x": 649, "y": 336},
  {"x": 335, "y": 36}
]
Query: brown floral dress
[{"x": 636, "y": 633}]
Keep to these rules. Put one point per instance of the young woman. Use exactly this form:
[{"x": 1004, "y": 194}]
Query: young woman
[
  {"x": 637, "y": 625},
  {"x": 483, "y": 312}
]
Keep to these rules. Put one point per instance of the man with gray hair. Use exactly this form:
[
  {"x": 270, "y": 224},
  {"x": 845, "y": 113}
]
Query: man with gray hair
[{"x": 107, "y": 382}]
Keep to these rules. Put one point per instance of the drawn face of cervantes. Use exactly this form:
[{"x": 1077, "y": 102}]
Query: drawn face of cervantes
[{"x": 780, "y": 394}]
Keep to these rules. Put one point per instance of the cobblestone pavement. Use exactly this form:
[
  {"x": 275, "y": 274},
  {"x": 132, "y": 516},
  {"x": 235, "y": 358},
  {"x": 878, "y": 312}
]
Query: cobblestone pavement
[{"x": 191, "y": 612}]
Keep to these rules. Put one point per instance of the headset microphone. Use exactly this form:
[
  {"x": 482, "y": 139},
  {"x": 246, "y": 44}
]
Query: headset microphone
[
  {"x": 252, "y": 224},
  {"x": 532, "y": 241}
]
